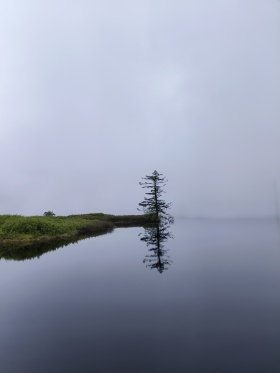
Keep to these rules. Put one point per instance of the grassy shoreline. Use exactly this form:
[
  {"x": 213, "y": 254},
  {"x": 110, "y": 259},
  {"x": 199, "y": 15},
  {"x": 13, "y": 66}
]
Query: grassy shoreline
[
  {"x": 16, "y": 230},
  {"x": 23, "y": 238}
]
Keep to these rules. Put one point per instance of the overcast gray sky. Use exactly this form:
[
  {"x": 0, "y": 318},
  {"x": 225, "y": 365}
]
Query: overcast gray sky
[{"x": 96, "y": 94}]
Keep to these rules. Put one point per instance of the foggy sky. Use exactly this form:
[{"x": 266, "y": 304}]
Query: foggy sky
[{"x": 95, "y": 95}]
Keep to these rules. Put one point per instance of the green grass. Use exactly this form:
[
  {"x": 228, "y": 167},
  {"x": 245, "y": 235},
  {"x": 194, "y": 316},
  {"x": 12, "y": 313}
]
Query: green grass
[
  {"x": 26, "y": 237},
  {"x": 20, "y": 228},
  {"x": 16, "y": 228},
  {"x": 29, "y": 237}
]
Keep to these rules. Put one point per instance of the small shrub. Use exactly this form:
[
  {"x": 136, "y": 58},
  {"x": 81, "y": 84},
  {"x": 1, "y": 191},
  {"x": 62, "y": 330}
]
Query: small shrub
[{"x": 49, "y": 213}]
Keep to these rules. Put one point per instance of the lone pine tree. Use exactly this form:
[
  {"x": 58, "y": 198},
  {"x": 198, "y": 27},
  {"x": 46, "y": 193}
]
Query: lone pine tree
[{"x": 154, "y": 204}]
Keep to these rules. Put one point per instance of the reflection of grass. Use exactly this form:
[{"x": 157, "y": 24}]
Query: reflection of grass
[
  {"x": 27, "y": 237},
  {"x": 36, "y": 248}
]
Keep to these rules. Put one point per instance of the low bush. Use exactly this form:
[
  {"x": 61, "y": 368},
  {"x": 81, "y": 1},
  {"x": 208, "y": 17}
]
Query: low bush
[
  {"x": 38, "y": 226},
  {"x": 3, "y": 218}
]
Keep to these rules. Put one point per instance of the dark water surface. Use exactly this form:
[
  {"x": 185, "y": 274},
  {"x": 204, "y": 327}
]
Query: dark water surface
[{"x": 95, "y": 307}]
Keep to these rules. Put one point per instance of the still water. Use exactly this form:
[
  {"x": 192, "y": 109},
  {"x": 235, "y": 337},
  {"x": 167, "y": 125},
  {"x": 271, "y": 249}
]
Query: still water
[{"x": 95, "y": 306}]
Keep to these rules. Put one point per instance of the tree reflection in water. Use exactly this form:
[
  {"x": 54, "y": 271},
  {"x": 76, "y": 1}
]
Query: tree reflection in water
[{"x": 155, "y": 236}]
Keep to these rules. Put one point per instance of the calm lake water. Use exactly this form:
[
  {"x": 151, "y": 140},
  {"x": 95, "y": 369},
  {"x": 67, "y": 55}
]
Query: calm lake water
[{"x": 95, "y": 306}]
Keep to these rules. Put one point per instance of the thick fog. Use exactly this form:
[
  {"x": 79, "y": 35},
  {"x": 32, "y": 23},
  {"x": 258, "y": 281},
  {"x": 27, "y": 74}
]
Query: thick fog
[{"x": 95, "y": 95}]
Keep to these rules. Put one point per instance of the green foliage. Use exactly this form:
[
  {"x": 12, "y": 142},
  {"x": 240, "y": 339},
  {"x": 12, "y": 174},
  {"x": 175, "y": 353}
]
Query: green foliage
[
  {"x": 49, "y": 213},
  {"x": 3, "y": 218},
  {"x": 36, "y": 226},
  {"x": 27, "y": 237}
]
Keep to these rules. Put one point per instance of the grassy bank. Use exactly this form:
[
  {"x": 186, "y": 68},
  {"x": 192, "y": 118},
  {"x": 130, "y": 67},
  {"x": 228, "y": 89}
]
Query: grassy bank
[
  {"x": 29, "y": 237},
  {"x": 16, "y": 230}
]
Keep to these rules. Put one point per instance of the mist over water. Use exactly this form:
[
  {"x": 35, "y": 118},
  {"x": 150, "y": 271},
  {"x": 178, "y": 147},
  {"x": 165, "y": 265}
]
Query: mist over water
[{"x": 95, "y": 306}]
